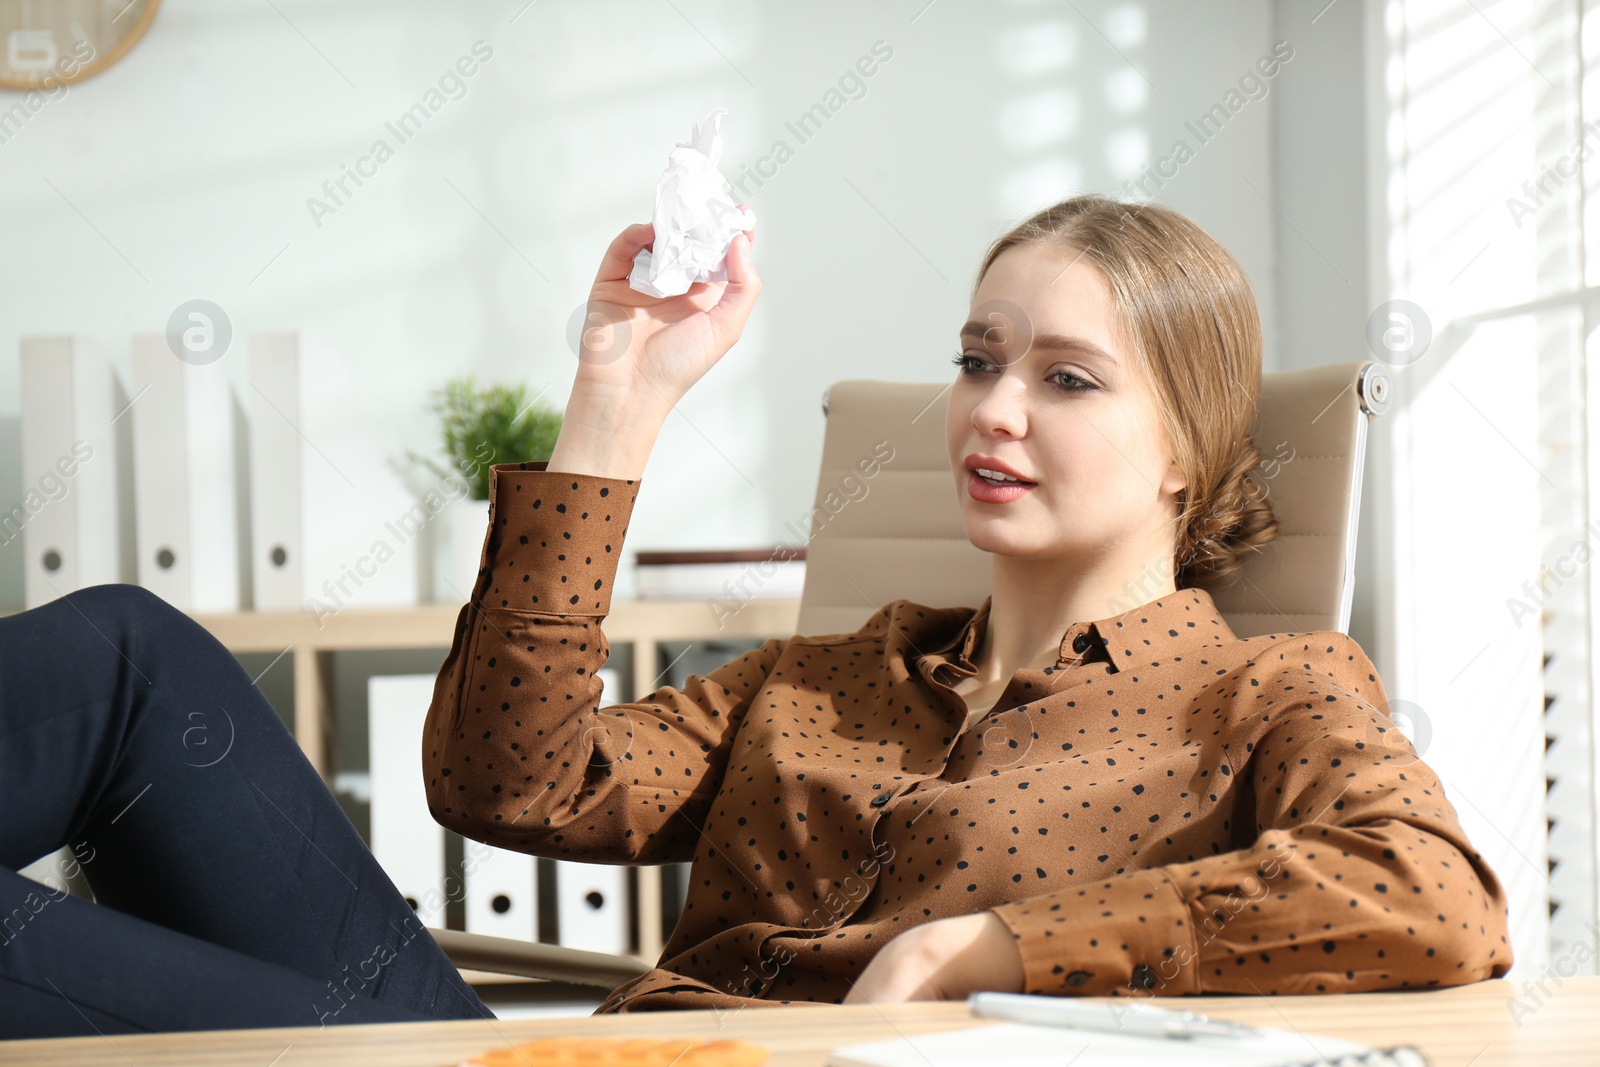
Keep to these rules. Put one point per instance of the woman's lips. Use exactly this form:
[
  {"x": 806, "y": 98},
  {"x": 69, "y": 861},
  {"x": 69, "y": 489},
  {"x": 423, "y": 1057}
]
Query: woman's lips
[{"x": 987, "y": 492}]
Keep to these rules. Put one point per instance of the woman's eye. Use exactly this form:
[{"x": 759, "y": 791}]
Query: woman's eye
[{"x": 1066, "y": 380}]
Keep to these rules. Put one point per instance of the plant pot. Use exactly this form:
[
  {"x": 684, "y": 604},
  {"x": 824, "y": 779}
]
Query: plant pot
[{"x": 462, "y": 527}]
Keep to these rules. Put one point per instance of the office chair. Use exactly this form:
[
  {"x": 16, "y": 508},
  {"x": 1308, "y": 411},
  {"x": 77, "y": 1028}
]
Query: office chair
[{"x": 903, "y": 538}]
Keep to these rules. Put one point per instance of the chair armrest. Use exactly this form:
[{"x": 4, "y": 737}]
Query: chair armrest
[{"x": 532, "y": 959}]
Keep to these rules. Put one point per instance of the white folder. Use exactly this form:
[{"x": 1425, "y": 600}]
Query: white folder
[
  {"x": 406, "y": 840},
  {"x": 331, "y": 525},
  {"x": 185, "y": 480},
  {"x": 592, "y": 906},
  {"x": 277, "y": 484},
  {"x": 74, "y": 516},
  {"x": 502, "y": 892}
]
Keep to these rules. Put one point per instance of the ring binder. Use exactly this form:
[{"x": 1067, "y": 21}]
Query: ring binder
[{"x": 74, "y": 517}]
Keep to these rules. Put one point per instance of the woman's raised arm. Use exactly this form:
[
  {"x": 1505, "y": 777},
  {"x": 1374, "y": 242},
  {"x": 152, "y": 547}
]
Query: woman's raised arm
[{"x": 516, "y": 750}]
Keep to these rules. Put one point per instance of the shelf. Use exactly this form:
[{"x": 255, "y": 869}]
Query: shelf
[
  {"x": 310, "y": 640},
  {"x": 432, "y": 625}
]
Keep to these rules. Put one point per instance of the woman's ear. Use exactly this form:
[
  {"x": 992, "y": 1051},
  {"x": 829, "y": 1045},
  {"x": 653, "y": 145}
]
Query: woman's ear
[{"x": 1175, "y": 481}]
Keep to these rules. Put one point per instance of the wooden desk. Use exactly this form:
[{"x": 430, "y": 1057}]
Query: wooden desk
[{"x": 1454, "y": 1027}]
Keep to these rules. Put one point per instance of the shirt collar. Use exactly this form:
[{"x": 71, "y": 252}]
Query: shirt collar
[{"x": 1150, "y": 629}]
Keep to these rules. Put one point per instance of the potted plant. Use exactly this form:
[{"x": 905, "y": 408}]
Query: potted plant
[{"x": 479, "y": 427}]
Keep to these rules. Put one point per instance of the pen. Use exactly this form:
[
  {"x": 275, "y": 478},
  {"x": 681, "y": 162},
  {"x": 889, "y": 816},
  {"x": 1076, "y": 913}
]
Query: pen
[{"x": 1143, "y": 1019}]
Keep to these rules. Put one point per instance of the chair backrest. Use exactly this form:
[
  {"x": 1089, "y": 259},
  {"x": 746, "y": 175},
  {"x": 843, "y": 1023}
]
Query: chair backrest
[{"x": 890, "y": 529}]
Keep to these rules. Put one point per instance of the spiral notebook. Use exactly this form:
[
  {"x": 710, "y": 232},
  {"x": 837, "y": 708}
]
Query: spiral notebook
[{"x": 1027, "y": 1045}]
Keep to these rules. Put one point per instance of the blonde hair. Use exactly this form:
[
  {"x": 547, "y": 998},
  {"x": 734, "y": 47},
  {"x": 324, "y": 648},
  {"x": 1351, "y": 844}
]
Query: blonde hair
[{"x": 1190, "y": 315}]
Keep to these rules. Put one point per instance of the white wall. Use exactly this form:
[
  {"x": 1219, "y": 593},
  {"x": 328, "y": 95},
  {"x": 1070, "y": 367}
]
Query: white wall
[
  {"x": 1323, "y": 287},
  {"x": 184, "y": 173}
]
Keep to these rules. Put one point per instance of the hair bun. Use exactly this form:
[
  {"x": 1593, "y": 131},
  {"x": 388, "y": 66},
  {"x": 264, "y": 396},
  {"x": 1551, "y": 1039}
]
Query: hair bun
[{"x": 1215, "y": 544}]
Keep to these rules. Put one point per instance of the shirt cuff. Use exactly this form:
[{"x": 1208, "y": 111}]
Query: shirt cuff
[
  {"x": 1126, "y": 936},
  {"x": 555, "y": 540}
]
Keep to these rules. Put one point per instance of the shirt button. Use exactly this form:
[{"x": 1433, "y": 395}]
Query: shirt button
[
  {"x": 1144, "y": 976},
  {"x": 1077, "y": 977},
  {"x": 1080, "y": 643},
  {"x": 880, "y": 800}
]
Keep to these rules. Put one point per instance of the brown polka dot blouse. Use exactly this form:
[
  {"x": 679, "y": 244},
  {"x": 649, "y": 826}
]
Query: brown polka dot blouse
[{"x": 1168, "y": 809}]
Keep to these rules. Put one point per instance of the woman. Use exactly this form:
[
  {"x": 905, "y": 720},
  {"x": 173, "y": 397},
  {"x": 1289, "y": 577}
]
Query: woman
[
  {"x": 1149, "y": 804},
  {"x": 1086, "y": 786}
]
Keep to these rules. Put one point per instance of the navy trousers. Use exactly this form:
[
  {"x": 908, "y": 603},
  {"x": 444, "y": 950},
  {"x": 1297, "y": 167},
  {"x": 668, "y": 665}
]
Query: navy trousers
[{"x": 230, "y": 889}]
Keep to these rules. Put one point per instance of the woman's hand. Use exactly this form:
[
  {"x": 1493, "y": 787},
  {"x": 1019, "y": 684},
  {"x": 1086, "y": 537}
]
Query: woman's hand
[
  {"x": 651, "y": 348},
  {"x": 639, "y": 354},
  {"x": 943, "y": 960}
]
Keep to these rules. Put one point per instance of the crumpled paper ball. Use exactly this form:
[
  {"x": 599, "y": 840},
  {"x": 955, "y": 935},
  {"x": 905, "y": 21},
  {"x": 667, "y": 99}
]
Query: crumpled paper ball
[{"x": 695, "y": 219}]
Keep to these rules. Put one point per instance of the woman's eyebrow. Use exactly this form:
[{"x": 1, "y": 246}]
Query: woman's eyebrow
[{"x": 1047, "y": 342}]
